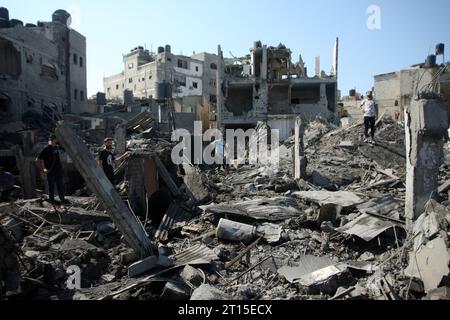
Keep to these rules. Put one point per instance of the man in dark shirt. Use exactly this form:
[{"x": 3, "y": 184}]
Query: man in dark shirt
[
  {"x": 50, "y": 167},
  {"x": 106, "y": 159}
]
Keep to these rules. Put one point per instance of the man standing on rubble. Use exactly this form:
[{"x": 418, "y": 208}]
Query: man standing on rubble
[
  {"x": 368, "y": 106},
  {"x": 49, "y": 163},
  {"x": 107, "y": 159},
  {"x": 6, "y": 184}
]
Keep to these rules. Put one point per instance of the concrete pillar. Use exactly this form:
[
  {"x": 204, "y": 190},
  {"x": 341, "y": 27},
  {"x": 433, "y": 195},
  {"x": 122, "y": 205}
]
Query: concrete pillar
[
  {"x": 426, "y": 122},
  {"x": 136, "y": 185},
  {"x": 219, "y": 87},
  {"x": 300, "y": 161},
  {"x": 264, "y": 64},
  {"x": 120, "y": 137}
]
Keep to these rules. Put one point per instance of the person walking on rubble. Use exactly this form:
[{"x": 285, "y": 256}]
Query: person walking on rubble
[
  {"x": 49, "y": 164},
  {"x": 107, "y": 159},
  {"x": 368, "y": 106},
  {"x": 221, "y": 151}
]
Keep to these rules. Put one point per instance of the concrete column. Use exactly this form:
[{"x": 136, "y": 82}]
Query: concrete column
[
  {"x": 300, "y": 161},
  {"x": 264, "y": 64},
  {"x": 426, "y": 123},
  {"x": 136, "y": 185},
  {"x": 219, "y": 87},
  {"x": 120, "y": 137}
]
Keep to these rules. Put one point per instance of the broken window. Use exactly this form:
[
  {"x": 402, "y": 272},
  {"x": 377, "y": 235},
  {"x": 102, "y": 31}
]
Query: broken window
[
  {"x": 130, "y": 80},
  {"x": 213, "y": 99},
  {"x": 195, "y": 85},
  {"x": 10, "y": 60},
  {"x": 117, "y": 87},
  {"x": 81, "y": 62},
  {"x": 82, "y": 95},
  {"x": 75, "y": 94},
  {"x": 180, "y": 81},
  {"x": 75, "y": 58},
  {"x": 213, "y": 66},
  {"x": 196, "y": 69},
  {"x": 182, "y": 64},
  {"x": 143, "y": 79},
  {"x": 48, "y": 71},
  {"x": 130, "y": 66},
  {"x": 212, "y": 83}
]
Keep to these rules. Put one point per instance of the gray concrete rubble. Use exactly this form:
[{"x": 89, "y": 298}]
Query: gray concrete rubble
[{"x": 331, "y": 228}]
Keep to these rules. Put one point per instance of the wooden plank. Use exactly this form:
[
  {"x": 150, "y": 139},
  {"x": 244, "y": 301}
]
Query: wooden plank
[{"x": 97, "y": 181}]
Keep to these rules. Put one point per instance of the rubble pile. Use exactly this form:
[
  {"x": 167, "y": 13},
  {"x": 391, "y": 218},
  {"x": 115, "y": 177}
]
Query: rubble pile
[{"x": 254, "y": 233}]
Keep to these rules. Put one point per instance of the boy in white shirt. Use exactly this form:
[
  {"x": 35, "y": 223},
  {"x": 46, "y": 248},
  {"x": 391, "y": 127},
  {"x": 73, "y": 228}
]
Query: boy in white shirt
[{"x": 368, "y": 106}]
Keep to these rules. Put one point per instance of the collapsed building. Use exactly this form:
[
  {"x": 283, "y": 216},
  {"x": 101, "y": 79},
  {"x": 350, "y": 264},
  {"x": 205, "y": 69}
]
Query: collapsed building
[
  {"x": 268, "y": 86},
  {"x": 42, "y": 69}
]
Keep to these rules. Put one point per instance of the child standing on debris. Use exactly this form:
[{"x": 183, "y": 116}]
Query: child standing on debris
[
  {"x": 51, "y": 169},
  {"x": 369, "y": 108},
  {"x": 107, "y": 159}
]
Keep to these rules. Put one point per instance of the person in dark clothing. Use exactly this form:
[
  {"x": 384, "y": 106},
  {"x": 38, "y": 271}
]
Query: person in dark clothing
[
  {"x": 106, "y": 159},
  {"x": 6, "y": 184},
  {"x": 51, "y": 169}
]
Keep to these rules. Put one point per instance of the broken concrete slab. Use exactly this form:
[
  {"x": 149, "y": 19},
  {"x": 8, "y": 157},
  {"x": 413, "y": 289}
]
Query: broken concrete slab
[
  {"x": 195, "y": 183},
  {"x": 207, "y": 292},
  {"x": 326, "y": 280},
  {"x": 305, "y": 265},
  {"x": 343, "y": 199},
  {"x": 430, "y": 263},
  {"x": 442, "y": 293},
  {"x": 175, "y": 292},
  {"x": 192, "y": 276},
  {"x": 96, "y": 179},
  {"x": 142, "y": 266}
]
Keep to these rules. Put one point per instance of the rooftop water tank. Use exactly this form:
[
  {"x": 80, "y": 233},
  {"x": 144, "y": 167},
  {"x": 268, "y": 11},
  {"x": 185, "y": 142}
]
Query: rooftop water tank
[
  {"x": 61, "y": 16},
  {"x": 440, "y": 48},
  {"x": 160, "y": 50},
  {"x": 168, "y": 48},
  {"x": 14, "y": 23},
  {"x": 4, "y": 13},
  {"x": 352, "y": 93},
  {"x": 431, "y": 61}
]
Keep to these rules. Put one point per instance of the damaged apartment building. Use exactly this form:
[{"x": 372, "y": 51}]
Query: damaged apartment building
[
  {"x": 395, "y": 91},
  {"x": 42, "y": 69},
  {"x": 187, "y": 82},
  {"x": 268, "y": 86}
]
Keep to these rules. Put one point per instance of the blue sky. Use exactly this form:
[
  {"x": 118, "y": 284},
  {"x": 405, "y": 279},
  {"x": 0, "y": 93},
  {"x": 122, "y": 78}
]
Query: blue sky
[{"x": 410, "y": 29}]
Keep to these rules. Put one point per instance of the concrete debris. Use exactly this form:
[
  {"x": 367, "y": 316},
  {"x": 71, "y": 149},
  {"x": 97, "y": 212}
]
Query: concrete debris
[
  {"x": 207, "y": 292},
  {"x": 305, "y": 265},
  {"x": 343, "y": 199},
  {"x": 330, "y": 228},
  {"x": 430, "y": 263}
]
